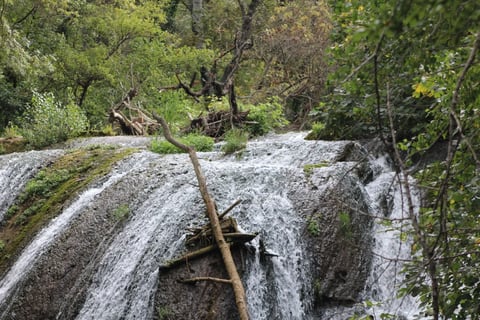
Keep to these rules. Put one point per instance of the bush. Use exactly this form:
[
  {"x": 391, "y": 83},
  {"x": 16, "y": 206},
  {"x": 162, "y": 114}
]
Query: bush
[
  {"x": 317, "y": 131},
  {"x": 235, "y": 140},
  {"x": 46, "y": 121},
  {"x": 267, "y": 116},
  {"x": 198, "y": 142}
]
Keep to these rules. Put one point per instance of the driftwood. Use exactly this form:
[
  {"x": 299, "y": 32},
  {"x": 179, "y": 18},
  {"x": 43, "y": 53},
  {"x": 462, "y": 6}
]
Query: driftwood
[
  {"x": 221, "y": 242},
  {"x": 215, "y": 124},
  {"x": 232, "y": 239},
  {"x": 137, "y": 122}
]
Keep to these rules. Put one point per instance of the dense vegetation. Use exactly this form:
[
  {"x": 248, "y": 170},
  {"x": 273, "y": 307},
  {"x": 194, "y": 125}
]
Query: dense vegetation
[
  {"x": 408, "y": 72},
  {"x": 404, "y": 71}
]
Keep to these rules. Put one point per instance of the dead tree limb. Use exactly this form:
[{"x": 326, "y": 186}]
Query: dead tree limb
[
  {"x": 186, "y": 257},
  {"x": 196, "y": 279},
  {"x": 132, "y": 120},
  {"x": 224, "y": 247},
  {"x": 233, "y": 205}
]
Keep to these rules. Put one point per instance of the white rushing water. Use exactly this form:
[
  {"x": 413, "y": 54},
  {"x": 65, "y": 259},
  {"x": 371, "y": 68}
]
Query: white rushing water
[
  {"x": 124, "y": 283},
  {"x": 154, "y": 234},
  {"x": 25, "y": 262},
  {"x": 16, "y": 169},
  {"x": 268, "y": 177},
  {"x": 392, "y": 246}
]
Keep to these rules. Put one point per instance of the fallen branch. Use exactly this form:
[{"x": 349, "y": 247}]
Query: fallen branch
[
  {"x": 233, "y": 205},
  {"x": 188, "y": 256},
  {"x": 196, "y": 279},
  {"x": 222, "y": 244}
]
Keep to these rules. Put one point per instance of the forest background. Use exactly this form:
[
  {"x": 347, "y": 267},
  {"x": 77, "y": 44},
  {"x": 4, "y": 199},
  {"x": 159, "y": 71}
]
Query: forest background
[{"x": 405, "y": 72}]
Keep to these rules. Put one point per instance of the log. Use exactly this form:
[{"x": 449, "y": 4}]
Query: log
[
  {"x": 227, "y": 225},
  {"x": 188, "y": 256},
  {"x": 233, "y": 238}
]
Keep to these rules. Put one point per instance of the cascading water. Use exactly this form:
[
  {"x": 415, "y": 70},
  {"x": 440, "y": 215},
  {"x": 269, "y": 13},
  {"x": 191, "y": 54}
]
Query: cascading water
[
  {"x": 392, "y": 246},
  {"x": 25, "y": 262},
  {"x": 270, "y": 180},
  {"x": 16, "y": 169}
]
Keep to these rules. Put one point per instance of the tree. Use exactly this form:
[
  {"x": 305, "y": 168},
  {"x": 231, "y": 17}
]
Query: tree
[
  {"x": 291, "y": 49},
  {"x": 214, "y": 84},
  {"x": 20, "y": 67},
  {"x": 406, "y": 72}
]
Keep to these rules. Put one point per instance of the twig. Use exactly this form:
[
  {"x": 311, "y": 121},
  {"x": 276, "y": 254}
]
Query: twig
[
  {"x": 455, "y": 97},
  {"x": 196, "y": 279},
  {"x": 233, "y": 205}
]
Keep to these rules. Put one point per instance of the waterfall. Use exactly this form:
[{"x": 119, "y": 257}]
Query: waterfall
[
  {"x": 124, "y": 284},
  {"x": 277, "y": 196},
  {"x": 25, "y": 262},
  {"x": 392, "y": 246},
  {"x": 16, "y": 169}
]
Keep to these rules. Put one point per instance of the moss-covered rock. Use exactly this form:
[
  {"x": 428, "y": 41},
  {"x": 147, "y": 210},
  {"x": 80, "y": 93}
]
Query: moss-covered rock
[{"x": 45, "y": 195}]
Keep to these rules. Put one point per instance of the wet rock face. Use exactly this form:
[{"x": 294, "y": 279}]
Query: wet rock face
[
  {"x": 56, "y": 287},
  {"x": 339, "y": 235},
  {"x": 323, "y": 213},
  {"x": 204, "y": 300}
]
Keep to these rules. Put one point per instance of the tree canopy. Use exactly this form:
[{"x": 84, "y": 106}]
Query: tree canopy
[{"x": 404, "y": 71}]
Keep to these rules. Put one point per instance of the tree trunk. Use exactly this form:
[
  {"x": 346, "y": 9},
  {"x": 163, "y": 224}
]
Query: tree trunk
[
  {"x": 223, "y": 246},
  {"x": 197, "y": 23}
]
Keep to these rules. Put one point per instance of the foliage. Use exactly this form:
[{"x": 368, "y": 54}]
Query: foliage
[
  {"x": 266, "y": 117},
  {"x": 11, "y": 132},
  {"x": 345, "y": 224},
  {"x": 292, "y": 51},
  {"x": 199, "y": 142},
  {"x": 317, "y": 131},
  {"x": 164, "y": 313},
  {"x": 46, "y": 121},
  {"x": 313, "y": 227},
  {"x": 413, "y": 66},
  {"x": 235, "y": 140}
]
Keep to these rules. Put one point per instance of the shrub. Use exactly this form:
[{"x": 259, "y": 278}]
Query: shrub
[
  {"x": 235, "y": 140},
  {"x": 198, "y": 142},
  {"x": 267, "y": 116},
  {"x": 11, "y": 132},
  {"x": 317, "y": 131},
  {"x": 46, "y": 121}
]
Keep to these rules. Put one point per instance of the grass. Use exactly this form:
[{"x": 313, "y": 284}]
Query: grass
[
  {"x": 199, "y": 142},
  {"x": 235, "y": 140}
]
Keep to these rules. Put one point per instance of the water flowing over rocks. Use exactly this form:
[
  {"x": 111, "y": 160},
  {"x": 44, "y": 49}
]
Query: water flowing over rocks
[
  {"x": 16, "y": 169},
  {"x": 311, "y": 203}
]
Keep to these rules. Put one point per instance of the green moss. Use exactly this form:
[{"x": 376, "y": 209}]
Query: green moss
[
  {"x": 44, "y": 195},
  {"x": 313, "y": 227},
  {"x": 308, "y": 168},
  {"x": 164, "y": 312},
  {"x": 345, "y": 224},
  {"x": 121, "y": 212}
]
